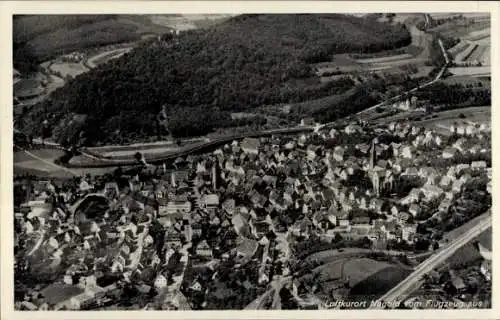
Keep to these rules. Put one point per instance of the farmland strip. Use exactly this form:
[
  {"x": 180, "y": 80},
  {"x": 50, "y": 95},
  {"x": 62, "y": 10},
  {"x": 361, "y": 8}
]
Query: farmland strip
[{"x": 462, "y": 56}]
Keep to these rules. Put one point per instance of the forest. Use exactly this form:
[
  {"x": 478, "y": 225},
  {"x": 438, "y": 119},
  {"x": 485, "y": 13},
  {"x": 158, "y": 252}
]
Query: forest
[
  {"x": 203, "y": 75},
  {"x": 456, "y": 95}
]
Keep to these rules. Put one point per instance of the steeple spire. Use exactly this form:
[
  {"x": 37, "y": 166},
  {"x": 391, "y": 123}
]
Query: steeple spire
[{"x": 372, "y": 155}]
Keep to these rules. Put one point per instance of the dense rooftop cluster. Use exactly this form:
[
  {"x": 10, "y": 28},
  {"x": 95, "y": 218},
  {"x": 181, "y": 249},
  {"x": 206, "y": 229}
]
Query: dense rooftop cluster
[{"x": 225, "y": 224}]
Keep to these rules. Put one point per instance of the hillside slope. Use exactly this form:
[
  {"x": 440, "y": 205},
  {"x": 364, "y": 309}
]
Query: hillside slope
[
  {"x": 40, "y": 37},
  {"x": 202, "y": 75}
]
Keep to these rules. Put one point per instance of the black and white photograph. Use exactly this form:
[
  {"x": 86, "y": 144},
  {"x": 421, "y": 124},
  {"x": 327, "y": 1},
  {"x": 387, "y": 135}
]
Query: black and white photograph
[{"x": 252, "y": 161}]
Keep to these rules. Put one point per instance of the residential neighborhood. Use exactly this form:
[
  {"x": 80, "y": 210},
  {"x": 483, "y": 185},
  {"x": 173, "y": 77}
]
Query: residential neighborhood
[{"x": 230, "y": 221}]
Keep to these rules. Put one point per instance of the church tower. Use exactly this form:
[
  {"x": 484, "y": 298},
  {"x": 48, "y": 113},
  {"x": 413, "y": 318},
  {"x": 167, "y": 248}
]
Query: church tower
[
  {"x": 372, "y": 155},
  {"x": 173, "y": 180},
  {"x": 374, "y": 175},
  {"x": 376, "y": 182},
  {"x": 216, "y": 175}
]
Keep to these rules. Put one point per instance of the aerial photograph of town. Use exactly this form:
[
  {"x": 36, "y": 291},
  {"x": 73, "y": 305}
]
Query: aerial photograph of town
[{"x": 252, "y": 161}]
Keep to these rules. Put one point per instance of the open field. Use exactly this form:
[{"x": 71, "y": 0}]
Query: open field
[
  {"x": 68, "y": 68},
  {"x": 142, "y": 146},
  {"x": 54, "y": 83},
  {"x": 465, "y": 53},
  {"x": 354, "y": 269},
  {"x": 365, "y": 276},
  {"x": 106, "y": 56},
  {"x": 481, "y": 54},
  {"x": 461, "y": 28},
  {"x": 242, "y": 115},
  {"x": 26, "y": 88},
  {"x": 403, "y": 56},
  {"x": 147, "y": 152},
  {"x": 471, "y": 71},
  {"x": 378, "y": 283},
  {"x": 459, "y": 47},
  {"x": 470, "y": 15},
  {"x": 340, "y": 63},
  {"x": 478, "y": 34},
  {"x": 26, "y": 164},
  {"x": 189, "y": 21}
]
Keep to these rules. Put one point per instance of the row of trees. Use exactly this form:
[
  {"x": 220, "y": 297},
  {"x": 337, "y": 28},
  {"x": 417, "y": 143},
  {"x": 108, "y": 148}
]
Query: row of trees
[{"x": 455, "y": 94}]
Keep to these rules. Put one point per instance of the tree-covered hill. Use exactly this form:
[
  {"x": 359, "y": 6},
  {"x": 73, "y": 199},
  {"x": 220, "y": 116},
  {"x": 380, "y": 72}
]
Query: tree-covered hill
[
  {"x": 38, "y": 38},
  {"x": 202, "y": 75}
]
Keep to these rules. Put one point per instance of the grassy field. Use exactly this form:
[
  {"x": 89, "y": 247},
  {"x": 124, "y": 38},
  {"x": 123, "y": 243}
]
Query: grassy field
[
  {"x": 465, "y": 53},
  {"x": 26, "y": 164},
  {"x": 28, "y": 87},
  {"x": 461, "y": 28},
  {"x": 378, "y": 283},
  {"x": 470, "y": 15},
  {"x": 459, "y": 47},
  {"x": 188, "y": 22},
  {"x": 68, "y": 68},
  {"x": 142, "y": 146},
  {"x": 478, "y": 34},
  {"x": 367, "y": 277},
  {"x": 106, "y": 56},
  {"x": 355, "y": 269},
  {"x": 471, "y": 71},
  {"x": 385, "y": 59},
  {"x": 146, "y": 152}
]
